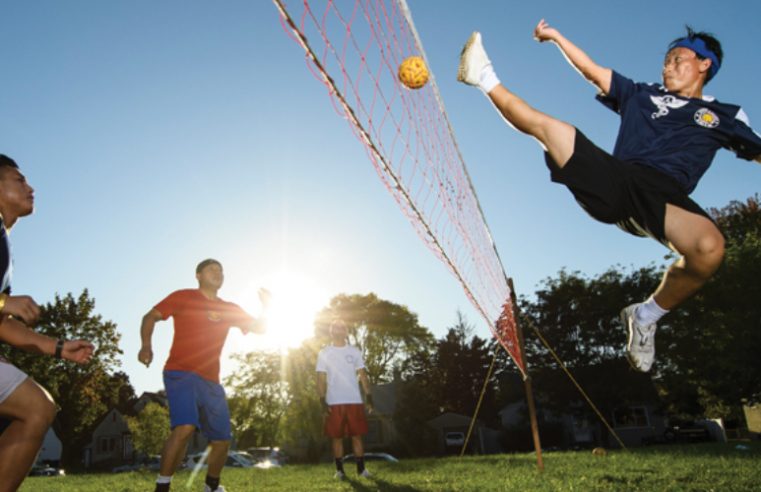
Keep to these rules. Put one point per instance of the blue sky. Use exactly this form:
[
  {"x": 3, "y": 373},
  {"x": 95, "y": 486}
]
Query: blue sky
[{"x": 157, "y": 134}]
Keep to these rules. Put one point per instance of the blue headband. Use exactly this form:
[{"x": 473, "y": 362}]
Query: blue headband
[{"x": 699, "y": 46}]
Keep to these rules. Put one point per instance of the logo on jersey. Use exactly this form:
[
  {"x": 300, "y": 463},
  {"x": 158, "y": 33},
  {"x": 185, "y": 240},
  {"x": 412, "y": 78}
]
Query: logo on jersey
[
  {"x": 706, "y": 118},
  {"x": 214, "y": 316},
  {"x": 664, "y": 103}
]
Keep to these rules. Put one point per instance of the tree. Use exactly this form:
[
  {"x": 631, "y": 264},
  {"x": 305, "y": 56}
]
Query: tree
[
  {"x": 579, "y": 315},
  {"x": 709, "y": 361},
  {"x": 84, "y": 393},
  {"x": 707, "y": 348},
  {"x": 448, "y": 378},
  {"x": 385, "y": 332},
  {"x": 259, "y": 398},
  {"x": 579, "y": 318},
  {"x": 301, "y": 425},
  {"x": 150, "y": 429},
  {"x": 462, "y": 362}
]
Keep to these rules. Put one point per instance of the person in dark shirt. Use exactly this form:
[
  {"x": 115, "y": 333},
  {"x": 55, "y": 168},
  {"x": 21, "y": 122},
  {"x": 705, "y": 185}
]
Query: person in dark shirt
[
  {"x": 26, "y": 408},
  {"x": 668, "y": 137}
]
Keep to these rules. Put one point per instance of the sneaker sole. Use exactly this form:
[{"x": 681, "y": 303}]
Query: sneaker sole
[
  {"x": 629, "y": 358},
  {"x": 461, "y": 68}
]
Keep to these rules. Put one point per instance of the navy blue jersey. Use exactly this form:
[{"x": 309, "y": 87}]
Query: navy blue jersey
[
  {"x": 6, "y": 263},
  {"x": 678, "y": 136}
]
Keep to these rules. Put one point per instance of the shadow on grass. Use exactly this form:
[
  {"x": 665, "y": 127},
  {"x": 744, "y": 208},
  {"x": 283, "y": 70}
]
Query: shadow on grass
[
  {"x": 425, "y": 464},
  {"x": 374, "y": 484}
]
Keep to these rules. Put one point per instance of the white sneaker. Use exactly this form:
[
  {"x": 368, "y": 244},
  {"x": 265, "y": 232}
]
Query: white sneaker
[
  {"x": 339, "y": 475},
  {"x": 473, "y": 60},
  {"x": 206, "y": 488},
  {"x": 640, "y": 347},
  {"x": 365, "y": 474}
]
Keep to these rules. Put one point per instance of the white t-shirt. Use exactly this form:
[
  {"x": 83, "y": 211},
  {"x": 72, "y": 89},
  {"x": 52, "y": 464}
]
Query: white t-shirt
[{"x": 341, "y": 365}]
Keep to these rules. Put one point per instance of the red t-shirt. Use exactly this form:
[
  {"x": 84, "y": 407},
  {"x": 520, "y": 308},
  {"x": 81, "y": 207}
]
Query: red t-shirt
[{"x": 200, "y": 330}]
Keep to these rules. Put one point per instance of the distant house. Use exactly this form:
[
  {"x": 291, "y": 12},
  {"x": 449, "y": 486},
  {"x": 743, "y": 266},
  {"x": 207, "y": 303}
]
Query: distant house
[
  {"x": 148, "y": 397},
  {"x": 381, "y": 431},
  {"x": 635, "y": 424},
  {"x": 639, "y": 424},
  {"x": 452, "y": 431},
  {"x": 197, "y": 443},
  {"x": 111, "y": 441}
]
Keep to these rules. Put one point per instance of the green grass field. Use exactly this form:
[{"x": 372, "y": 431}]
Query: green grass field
[{"x": 699, "y": 467}]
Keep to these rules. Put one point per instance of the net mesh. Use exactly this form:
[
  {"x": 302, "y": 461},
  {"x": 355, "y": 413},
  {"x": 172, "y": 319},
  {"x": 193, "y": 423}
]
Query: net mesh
[{"x": 355, "y": 49}]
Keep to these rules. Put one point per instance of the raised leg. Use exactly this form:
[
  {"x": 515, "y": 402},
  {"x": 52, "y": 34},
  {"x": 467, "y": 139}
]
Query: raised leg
[{"x": 701, "y": 245}]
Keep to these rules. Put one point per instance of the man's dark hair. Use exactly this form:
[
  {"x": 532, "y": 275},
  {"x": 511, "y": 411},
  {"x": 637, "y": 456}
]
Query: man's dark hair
[
  {"x": 710, "y": 41},
  {"x": 205, "y": 263},
  {"x": 7, "y": 161}
]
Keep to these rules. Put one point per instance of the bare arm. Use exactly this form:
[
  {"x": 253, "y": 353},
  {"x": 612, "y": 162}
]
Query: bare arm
[
  {"x": 16, "y": 333},
  {"x": 758, "y": 159},
  {"x": 249, "y": 324},
  {"x": 322, "y": 390},
  {"x": 21, "y": 307},
  {"x": 598, "y": 76},
  {"x": 365, "y": 382},
  {"x": 146, "y": 334}
]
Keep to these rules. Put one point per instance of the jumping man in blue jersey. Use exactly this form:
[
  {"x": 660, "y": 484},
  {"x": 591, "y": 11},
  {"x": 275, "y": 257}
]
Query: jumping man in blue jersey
[
  {"x": 668, "y": 137},
  {"x": 26, "y": 408}
]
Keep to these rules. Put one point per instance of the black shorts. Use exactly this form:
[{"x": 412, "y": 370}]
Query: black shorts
[{"x": 632, "y": 196}]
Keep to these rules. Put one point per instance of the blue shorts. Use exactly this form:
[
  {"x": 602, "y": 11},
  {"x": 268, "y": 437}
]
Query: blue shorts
[{"x": 195, "y": 401}]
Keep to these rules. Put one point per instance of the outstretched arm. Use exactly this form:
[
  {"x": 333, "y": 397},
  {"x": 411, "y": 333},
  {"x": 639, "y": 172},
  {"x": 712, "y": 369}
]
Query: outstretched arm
[
  {"x": 249, "y": 324},
  {"x": 14, "y": 332},
  {"x": 322, "y": 390},
  {"x": 598, "y": 76}
]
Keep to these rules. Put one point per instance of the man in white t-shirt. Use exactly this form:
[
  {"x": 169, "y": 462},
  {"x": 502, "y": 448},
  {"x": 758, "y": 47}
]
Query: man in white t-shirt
[{"x": 340, "y": 369}]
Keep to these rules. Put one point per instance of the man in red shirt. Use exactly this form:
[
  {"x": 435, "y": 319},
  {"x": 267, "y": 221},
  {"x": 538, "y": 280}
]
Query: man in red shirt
[{"x": 191, "y": 373}]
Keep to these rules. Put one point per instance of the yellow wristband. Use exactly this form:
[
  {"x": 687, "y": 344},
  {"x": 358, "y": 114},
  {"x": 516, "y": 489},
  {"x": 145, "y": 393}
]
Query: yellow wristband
[{"x": 3, "y": 298}]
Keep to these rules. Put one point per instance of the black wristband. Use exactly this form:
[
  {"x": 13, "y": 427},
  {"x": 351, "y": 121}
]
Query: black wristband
[{"x": 59, "y": 348}]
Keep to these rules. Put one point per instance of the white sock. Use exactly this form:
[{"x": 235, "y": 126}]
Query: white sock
[
  {"x": 164, "y": 479},
  {"x": 648, "y": 312},
  {"x": 488, "y": 80}
]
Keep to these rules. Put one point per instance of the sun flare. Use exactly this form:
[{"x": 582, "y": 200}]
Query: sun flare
[{"x": 290, "y": 317}]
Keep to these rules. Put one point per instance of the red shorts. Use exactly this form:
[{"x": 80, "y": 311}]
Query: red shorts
[{"x": 346, "y": 421}]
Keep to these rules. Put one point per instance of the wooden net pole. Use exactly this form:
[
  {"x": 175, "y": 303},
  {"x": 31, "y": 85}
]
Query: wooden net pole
[{"x": 527, "y": 381}]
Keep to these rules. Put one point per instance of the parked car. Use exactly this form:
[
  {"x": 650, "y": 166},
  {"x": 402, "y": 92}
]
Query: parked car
[
  {"x": 152, "y": 463},
  {"x": 235, "y": 459},
  {"x": 267, "y": 457},
  {"x": 40, "y": 470},
  {"x": 454, "y": 438},
  {"x": 349, "y": 458},
  {"x": 686, "y": 431}
]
